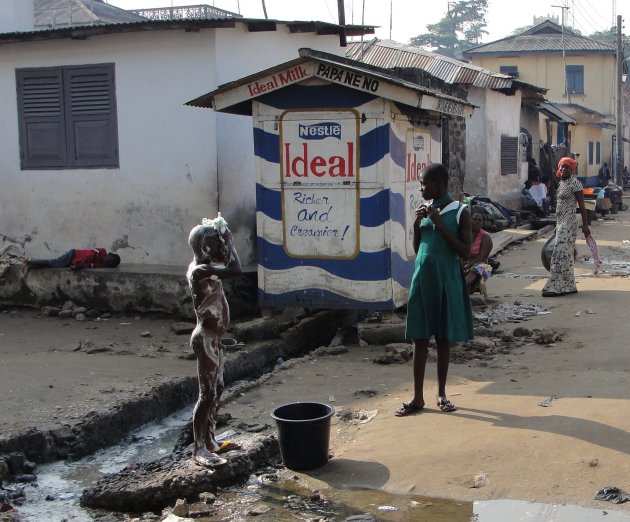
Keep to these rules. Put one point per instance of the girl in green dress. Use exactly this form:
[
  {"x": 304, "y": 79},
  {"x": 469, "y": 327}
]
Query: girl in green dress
[{"x": 438, "y": 303}]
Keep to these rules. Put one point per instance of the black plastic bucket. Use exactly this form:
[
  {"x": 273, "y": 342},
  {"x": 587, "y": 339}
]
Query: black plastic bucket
[{"x": 304, "y": 434}]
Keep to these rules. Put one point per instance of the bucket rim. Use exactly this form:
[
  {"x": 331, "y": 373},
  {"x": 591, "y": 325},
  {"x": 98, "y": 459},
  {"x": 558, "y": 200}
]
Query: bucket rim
[{"x": 331, "y": 412}]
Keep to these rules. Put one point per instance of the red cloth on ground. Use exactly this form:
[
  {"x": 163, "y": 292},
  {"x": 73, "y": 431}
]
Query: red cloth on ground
[{"x": 92, "y": 258}]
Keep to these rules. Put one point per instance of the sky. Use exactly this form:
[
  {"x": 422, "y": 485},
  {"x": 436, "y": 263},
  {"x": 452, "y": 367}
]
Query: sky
[{"x": 410, "y": 17}]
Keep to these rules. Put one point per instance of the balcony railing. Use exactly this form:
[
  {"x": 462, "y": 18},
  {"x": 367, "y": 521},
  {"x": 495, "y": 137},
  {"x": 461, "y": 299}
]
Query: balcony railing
[{"x": 187, "y": 12}]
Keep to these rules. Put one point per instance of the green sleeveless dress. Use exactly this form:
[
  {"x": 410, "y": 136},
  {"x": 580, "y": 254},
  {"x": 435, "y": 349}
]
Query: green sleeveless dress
[{"x": 438, "y": 303}]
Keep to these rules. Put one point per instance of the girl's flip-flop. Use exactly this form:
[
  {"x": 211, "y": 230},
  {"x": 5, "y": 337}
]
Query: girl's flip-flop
[
  {"x": 445, "y": 405},
  {"x": 408, "y": 408}
]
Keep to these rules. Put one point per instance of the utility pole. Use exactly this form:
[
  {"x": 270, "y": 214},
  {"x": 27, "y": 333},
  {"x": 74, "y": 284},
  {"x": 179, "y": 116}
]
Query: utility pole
[
  {"x": 619, "y": 111},
  {"x": 564, "y": 55},
  {"x": 342, "y": 22}
]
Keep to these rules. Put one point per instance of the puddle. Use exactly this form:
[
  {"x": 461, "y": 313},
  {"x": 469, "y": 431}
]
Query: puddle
[
  {"x": 272, "y": 497},
  {"x": 521, "y": 511}
]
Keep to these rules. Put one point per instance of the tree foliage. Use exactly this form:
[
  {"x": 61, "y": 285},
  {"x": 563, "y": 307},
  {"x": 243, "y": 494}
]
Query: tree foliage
[{"x": 462, "y": 27}]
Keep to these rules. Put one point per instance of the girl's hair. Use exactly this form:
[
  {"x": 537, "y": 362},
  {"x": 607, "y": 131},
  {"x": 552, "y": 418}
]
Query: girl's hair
[
  {"x": 196, "y": 237},
  {"x": 438, "y": 172}
]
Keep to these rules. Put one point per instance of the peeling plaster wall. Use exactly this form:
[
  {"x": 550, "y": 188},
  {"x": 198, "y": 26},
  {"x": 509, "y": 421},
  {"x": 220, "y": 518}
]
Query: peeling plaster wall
[
  {"x": 235, "y": 142},
  {"x": 476, "y": 181},
  {"x": 167, "y": 176},
  {"x": 503, "y": 114},
  {"x": 170, "y": 172}
]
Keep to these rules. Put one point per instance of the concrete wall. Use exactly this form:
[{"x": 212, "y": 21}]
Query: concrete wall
[
  {"x": 545, "y": 70},
  {"x": 497, "y": 115},
  {"x": 16, "y": 15},
  {"x": 476, "y": 157},
  {"x": 167, "y": 179},
  {"x": 170, "y": 173},
  {"x": 503, "y": 115}
]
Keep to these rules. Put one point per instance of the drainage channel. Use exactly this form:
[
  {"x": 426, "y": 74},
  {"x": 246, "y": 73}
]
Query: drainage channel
[{"x": 271, "y": 497}]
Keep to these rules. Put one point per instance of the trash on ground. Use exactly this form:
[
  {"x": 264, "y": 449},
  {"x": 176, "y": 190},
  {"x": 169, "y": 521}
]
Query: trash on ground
[
  {"x": 388, "y": 508},
  {"x": 612, "y": 494},
  {"x": 547, "y": 402}
]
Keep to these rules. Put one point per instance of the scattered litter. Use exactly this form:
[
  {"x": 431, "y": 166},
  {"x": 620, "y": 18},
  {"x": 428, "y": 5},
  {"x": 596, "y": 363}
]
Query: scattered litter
[
  {"x": 226, "y": 434},
  {"x": 589, "y": 311},
  {"x": 508, "y": 313},
  {"x": 388, "y": 508},
  {"x": 124, "y": 324},
  {"x": 366, "y": 415},
  {"x": 253, "y": 480},
  {"x": 612, "y": 494},
  {"x": 331, "y": 398},
  {"x": 146, "y": 333},
  {"x": 479, "y": 481},
  {"x": 547, "y": 402},
  {"x": 577, "y": 314},
  {"x": 454, "y": 394},
  {"x": 626, "y": 241}
]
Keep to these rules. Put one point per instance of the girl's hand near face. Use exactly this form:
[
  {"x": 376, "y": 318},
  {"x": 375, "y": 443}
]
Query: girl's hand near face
[{"x": 434, "y": 215}]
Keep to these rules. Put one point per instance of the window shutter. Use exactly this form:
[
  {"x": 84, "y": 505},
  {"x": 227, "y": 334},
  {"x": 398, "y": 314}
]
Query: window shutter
[
  {"x": 91, "y": 116},
  {"x": 509, "y": 154},
  {"x": 41, "y": 118}
]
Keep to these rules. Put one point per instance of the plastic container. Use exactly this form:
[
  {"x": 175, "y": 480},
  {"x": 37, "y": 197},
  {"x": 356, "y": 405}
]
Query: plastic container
[{"x": 303, "y": 434}]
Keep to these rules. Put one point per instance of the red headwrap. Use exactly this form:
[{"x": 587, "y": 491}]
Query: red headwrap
[{"x": 569, "y": 162}]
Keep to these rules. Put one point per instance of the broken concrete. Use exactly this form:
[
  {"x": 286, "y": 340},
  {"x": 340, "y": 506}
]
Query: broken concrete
[
  {"x": 155, "y": 485},
  {"x": 128, "y": 288}
]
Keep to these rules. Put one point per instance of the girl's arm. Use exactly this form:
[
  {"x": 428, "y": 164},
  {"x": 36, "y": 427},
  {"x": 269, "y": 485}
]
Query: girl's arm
[{"x": 579, "y": 196}]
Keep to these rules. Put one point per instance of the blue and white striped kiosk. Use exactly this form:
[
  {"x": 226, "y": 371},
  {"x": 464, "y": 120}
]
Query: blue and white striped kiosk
[{"x": 338, "y": 146}]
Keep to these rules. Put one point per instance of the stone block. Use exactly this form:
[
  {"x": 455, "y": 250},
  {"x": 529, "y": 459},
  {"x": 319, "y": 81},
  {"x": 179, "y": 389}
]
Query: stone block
[{"x": 381, "y": 334}]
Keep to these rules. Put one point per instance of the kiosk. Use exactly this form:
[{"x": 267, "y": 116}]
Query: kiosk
[{"x": 339, "y": 146}]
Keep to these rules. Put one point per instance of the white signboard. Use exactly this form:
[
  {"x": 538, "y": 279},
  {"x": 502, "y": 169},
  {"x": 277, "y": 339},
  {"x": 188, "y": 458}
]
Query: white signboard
[
  {"x": 319, "y": 170},
  {"x": 423, "y": 147}
]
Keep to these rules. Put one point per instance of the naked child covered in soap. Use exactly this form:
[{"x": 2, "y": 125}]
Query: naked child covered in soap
[{"x": 215, "y": 258}]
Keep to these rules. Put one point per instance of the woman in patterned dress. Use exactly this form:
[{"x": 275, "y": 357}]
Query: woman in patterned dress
[
  {"x": 438, "y": 304},
  {"x": 562, "y": 280}
]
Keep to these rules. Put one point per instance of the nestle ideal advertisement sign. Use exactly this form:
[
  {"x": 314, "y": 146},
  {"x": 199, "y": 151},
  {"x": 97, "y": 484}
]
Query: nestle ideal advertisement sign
[{"x": 319, "y": 171}]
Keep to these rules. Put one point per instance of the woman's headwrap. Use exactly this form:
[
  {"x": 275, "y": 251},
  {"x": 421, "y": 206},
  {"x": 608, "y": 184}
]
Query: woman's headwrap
[{"x": 569, "y": 162}]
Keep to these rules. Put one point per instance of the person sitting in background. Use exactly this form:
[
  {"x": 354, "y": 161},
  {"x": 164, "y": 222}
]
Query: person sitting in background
[
  {"x": 75, "y": 260},
  {"x": 529, "y": 203},
  {"x": 538, "y": 191},
  {"x": 477, "y": 270}
]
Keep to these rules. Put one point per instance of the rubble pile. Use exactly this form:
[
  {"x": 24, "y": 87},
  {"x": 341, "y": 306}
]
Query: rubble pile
[{"x": 71, "y": 310}]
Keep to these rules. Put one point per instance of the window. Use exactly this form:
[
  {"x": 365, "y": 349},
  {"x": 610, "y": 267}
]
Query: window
[
  {"x": 575, "y": 79},
  {"x": 598, "y": 152},
  {"x": 509, "y": 153},
  {"x": 510, "y": 70},
  {"x": 590, "y": 152},
  {"x": 67, "y": 117}
]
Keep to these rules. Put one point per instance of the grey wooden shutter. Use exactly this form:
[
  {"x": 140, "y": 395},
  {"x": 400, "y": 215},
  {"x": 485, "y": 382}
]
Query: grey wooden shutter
[
  {"x": 509, "y": 155},
  {"x": 91, "y": 116},
  {"x": 41, "y": 118}
]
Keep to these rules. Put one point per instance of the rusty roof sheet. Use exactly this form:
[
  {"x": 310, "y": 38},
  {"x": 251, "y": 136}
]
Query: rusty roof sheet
[{"x": 389, "y": 54}]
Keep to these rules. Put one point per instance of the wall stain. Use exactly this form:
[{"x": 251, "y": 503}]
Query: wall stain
[{"x": 188, "y": 174}]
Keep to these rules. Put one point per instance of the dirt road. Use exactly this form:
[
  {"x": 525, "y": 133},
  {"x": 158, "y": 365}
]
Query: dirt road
[{"x": 518, "y": 449}]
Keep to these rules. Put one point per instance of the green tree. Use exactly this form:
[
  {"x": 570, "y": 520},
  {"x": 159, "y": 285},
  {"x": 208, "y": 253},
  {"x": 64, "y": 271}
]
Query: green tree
[
  {"x": 610, "y": 37},
  {"x": 462, "y": 27}
]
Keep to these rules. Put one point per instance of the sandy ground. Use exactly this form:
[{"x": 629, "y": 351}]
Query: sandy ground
[{"x": 562, "y": 453}]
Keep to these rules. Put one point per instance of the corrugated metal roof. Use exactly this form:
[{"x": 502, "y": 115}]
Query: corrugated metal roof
[
  {"x": 255, "y": 24},
  {"x": 51, "y": 14},
  {"x": 545, "y": 37},
  {"x": 389, "y": 54}
]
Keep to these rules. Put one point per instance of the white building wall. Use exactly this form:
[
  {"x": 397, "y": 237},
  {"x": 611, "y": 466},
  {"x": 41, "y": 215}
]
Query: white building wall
[
  {"x": 503, "y": 118},
  {"x": 240, "y": 53},
  {"x": 167, "y": 177},
  {"x": 16, "y": 15}
]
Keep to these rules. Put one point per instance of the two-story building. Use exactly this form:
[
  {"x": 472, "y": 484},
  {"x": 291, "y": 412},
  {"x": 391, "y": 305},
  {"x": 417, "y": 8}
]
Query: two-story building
[
  {"x": 579, "y": 74},
  {"x": 502, "y": 134}
]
